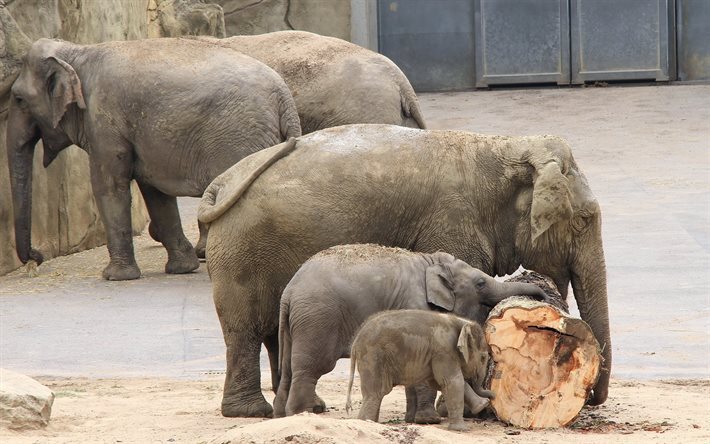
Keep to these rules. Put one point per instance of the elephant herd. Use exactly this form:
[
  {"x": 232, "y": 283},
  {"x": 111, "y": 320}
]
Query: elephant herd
[{"x": 325, "y": 198}]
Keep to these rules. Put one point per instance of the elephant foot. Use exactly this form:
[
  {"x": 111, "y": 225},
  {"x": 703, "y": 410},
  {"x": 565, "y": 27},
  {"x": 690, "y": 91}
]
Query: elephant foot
[
  {"x": 319, "y": 405},
  {"x": 115, "y": 272},
  {"x": 459, "y": 426},
  {"x": 182, "y": 263},
  {"x": 428, "y": 416},
  {"x": 256, "y": 409}
]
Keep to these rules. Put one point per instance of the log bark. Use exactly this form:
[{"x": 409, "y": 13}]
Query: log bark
[{"x": 545, "y": 362}]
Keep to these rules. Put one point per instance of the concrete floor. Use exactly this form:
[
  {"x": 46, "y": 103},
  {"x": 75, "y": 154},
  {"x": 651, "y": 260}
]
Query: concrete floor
[{"x": 644, "y": 149}]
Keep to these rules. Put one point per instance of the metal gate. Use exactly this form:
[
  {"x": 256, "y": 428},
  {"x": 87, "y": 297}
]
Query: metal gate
[
  {"x": 693, "y": 31},
  {"x": 431, "y": 41},
  {"x": 620, "y": 40},
  {"x": 522, "y": 41},
  {"x": 544, "y": 41}
]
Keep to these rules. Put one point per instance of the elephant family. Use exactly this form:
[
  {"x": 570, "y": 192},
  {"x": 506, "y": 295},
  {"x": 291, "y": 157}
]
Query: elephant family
[
  {"x": 333, "y": 82},
  {"x": 170, "y": 113},
  {"x": 336, "y": 290},
  {"x": 409, "y": 347},
  {"x": 495, "y": 202}
]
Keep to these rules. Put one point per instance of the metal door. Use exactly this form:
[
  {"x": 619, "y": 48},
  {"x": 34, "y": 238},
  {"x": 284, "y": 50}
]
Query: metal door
[
  {"x": 431, "y": 41},
  {"x": 620, "y": 40},
  {"x": 693, "y": 30},
  {"x": 522, "y": 41}
]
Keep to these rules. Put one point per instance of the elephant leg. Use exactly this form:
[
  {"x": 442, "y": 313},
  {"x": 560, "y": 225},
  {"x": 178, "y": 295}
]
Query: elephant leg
[
  {"x": 110, "y": 181},
  {"x": 425, "y": 412},
  {"x": 242, "y": 395},
  {"x": 307, "y": 366},
  {"x": 475, "y": 403},
  {"x": 153, "y": 231},
  {"x": 272, "y": 347},
  {"x": 165, "y": 218},
  {"x": 411, "y": 394},
  {"x": 452, "y": 385},
  {"x": 374, "y": 385},
  {"x": 202, "y": 242}
]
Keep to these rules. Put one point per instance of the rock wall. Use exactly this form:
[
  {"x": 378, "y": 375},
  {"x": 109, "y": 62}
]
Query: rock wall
[
  {"x": 326, "y": 17},
  {"x": 64, "y": 214}
]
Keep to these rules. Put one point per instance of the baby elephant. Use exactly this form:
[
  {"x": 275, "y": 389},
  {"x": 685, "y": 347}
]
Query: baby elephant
[
  {"x": 336, "y": 290},
  {"x": 415, "y": 346}
]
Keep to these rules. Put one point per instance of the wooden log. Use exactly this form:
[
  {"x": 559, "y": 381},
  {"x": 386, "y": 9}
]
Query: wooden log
[{"x": 545, "y": 362}]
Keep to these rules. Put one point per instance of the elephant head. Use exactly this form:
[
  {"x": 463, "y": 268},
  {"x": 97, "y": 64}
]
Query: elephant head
[
  {"x": 473, "y": 349},
  {"x": 559, "y": 234},
  {"x": 45, "y": 89},
  {"x": 461, "y": 289}
]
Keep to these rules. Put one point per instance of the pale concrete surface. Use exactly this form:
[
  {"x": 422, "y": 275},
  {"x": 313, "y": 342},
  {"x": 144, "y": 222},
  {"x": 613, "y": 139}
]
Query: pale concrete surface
[{"x": 645, "y": 151}]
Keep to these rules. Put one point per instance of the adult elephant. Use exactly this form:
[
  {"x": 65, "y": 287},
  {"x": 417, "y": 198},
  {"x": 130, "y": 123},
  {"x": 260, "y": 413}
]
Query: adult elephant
[
  {"x": 494, "y": 202},
  {"x": 333, "y": 82},
  {"x": 170, "y": 113}
]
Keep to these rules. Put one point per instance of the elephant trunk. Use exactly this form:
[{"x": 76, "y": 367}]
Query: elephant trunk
[
  {"x": 507, "y": 289},
  {"x": 22, "y": 135},
  {"x": 590, "y": 292}
]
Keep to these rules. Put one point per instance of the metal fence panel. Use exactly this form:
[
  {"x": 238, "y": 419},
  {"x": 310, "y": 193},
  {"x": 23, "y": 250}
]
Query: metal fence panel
[
  {"x": 522, "y": 41},
  {"x": 619, "y": 40},
  {"x": 693, "y": 28},
  {"x": 431, "y": 41}
]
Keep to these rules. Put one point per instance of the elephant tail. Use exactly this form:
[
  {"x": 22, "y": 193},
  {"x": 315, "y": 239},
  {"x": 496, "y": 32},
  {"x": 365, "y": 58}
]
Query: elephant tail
[
  {"x": 348, "y": 403},
  {"x": 226, "y": 189},
  {"x": 410, "y": 106},
  {"x": 284, "y": 332},
  {"x": 290, "y": 123}
]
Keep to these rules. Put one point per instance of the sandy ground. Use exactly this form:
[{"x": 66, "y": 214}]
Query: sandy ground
[
  {"x": 143, "y": 361},
  {"x": 167, "y": 410}
]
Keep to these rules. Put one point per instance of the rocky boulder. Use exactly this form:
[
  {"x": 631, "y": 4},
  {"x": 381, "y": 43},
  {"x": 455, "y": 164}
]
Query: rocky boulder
[{"x": 24, "y": 402}]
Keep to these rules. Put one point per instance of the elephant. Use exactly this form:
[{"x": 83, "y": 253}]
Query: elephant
[
  {"x": 495, "y": 202},
  {"x": 339, "y": 288},
  {"x": 334, "y": 82},
  {"x": 170, "y": 113},
  {"x": 407, "y": 347}
]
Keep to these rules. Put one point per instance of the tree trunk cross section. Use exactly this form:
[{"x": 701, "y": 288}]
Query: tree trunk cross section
[{"x": 545, "y": 362}]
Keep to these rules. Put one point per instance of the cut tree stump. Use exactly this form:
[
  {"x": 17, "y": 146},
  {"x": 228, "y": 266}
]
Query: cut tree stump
[{"x": 545, "y": 362}]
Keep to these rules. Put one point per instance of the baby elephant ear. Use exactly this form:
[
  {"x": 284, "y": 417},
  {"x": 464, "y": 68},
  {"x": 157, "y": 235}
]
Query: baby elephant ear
[
  {"x": 470, "y": 341},
  {"x": 439, "y": 288}
]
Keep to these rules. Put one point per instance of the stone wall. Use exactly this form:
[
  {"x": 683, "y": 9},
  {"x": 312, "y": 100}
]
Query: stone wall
[
  {"x": 64, "y": 214},
  {"x": 326, "y": 17}
]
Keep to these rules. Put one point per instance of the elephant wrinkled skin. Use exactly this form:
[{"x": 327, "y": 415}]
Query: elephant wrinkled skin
[
  {"x": 333, "y": 82},
  {"x": 494, "y": 202},
  {"x": 407, "y": 347},
  {"x": 170, "y": 113},
  {"x": 336, "y": 290}
]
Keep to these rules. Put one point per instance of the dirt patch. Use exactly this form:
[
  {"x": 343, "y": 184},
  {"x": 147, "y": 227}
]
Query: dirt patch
[{"x": 187, "y": 411}]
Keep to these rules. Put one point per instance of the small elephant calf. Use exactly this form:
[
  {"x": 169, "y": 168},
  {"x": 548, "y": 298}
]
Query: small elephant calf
[{"x": 407, "y": 347}]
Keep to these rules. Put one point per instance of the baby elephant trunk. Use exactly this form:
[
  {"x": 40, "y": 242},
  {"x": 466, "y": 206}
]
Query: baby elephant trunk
[
  {"x": 483, "y": 393},
  {"x": 508, "y": 289}
]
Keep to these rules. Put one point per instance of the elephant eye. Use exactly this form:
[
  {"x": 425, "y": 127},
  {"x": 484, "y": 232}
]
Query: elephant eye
[
  {"x": 20, "y": 102},
  {"x": 481, "y": 283}
]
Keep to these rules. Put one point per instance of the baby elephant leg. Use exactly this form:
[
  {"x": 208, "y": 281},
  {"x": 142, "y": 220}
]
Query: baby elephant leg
[
  {"x": 474, "y": 402},
  {"x": 452, "y": 386},
  {"x": 374, "y": 386},
  {"x": 420, "y": 405}
]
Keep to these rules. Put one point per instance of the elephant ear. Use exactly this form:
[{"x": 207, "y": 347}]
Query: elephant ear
[
  {"x": 470, "y": 341},
  {"x": 63, "y": 87},
  {"x": 551, "y": 199},
  {"x": 439, "y": 287}
]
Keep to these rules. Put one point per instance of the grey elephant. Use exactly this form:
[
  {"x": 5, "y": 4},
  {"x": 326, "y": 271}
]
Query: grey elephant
[
  {"x": 333, "y": 82},
  {"x": 406, "y": 347},
  {"x": 336, "y": 290},
  {"x": 170, "y": 113},
  {"x": 494, "y": 202}
]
